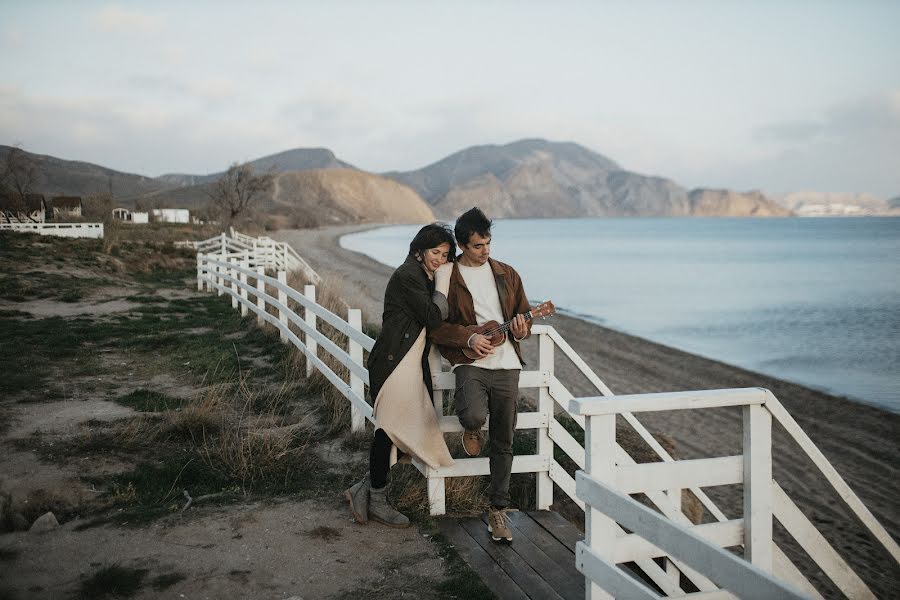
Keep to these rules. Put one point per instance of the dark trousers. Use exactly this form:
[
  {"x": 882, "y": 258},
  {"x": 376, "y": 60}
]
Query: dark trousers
[
  {"x": 482, "y": 391},
  {"x": 379, "y": 459}
]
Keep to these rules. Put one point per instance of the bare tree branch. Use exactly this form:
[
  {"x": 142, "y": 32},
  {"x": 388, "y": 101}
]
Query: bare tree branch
[{"x": 238, "y": 190}]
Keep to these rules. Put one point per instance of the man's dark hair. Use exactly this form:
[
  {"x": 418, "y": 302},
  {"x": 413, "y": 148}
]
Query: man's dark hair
[
  {"x": 471, "y": 221},
  {"x": 432, "y": 236}
]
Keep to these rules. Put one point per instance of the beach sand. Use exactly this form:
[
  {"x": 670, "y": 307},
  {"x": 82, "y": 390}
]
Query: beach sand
[{"x": 862, "y": 442}]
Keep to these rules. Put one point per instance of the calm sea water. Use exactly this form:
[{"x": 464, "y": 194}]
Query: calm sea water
[{"x": 815, "y": 301}]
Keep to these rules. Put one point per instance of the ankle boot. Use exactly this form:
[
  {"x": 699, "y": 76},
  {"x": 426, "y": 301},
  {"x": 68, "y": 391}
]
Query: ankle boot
[
  {"x": 358, "y": 496},
  {"x": 381, "y": 511}
]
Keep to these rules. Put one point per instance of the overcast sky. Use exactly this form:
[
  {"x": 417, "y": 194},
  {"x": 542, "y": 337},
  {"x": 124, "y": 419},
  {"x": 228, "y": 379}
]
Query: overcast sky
[{"x": 781, "y": 96}]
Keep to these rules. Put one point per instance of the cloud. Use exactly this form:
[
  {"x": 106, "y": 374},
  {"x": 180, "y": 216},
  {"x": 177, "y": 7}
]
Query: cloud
[
  {"x": 115, "y": 19},
  {"x": 853, "y": 147}
]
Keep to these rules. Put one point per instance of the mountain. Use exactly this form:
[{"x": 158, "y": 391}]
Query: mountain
[
  {"x": 298, "y": 159},
  {"x": 331, "y": 196},
  {"x": 818, "y": 204},
  {"x": 58, "y": 177},
  {"x": 539, "y": 178},
  {"x": 727, "y": 203}
]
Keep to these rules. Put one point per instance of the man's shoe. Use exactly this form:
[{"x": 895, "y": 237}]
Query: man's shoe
[
  {"x": 381, "y": 511},
  {"x": 358, "y": 496},
  {"x": 471, "y": 441},
  {"x": 498, "y": 525}
]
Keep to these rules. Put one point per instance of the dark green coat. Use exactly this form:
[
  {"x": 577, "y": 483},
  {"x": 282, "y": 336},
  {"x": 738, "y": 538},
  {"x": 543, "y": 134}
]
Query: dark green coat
[{"x": 408, "y": 307}]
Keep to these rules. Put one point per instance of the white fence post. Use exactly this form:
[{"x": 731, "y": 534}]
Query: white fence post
[
  {"x": 246, "y": 265},
  {"x": 310, "y": 317},
  {"x": 260, "y": 301},
  {"x": 282, "y": 299},
  {"x": 357, "y": 421},
  {"x": 234, "y": 285},
  {"x": 758, "y": 486},
  {"x": 224, "y": 245},
  {"x": 599, "y": 530},
  {"x": 199, "y": 272},
  {"x": 544, "y": 492}
]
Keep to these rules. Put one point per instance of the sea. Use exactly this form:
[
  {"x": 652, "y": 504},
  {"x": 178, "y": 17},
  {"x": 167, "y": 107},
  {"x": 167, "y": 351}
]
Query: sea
[{"x": 815, "y": 301}]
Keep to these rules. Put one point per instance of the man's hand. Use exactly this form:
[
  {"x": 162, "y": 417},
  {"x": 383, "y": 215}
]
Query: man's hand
[
  {"x": 519, "y": 327},
  {"x": 481, "y": 345}
]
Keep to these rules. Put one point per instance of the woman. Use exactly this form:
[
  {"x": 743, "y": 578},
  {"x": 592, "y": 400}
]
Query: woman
[{"x": 400, "y": 378}]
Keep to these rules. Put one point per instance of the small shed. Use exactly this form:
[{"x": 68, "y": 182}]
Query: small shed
[
  {"x": 66, "y": 206},
  {"x": 171, "y": 215}
]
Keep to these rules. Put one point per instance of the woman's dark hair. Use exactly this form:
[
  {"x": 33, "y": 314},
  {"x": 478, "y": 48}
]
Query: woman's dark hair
[
  {"x": 471, "y": 221},
  {"x": 432, "y": 236}
]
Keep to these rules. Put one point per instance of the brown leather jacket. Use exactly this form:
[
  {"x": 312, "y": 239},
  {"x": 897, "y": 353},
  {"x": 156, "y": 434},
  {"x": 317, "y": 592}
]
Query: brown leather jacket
[{"x": 452, "y": 335}]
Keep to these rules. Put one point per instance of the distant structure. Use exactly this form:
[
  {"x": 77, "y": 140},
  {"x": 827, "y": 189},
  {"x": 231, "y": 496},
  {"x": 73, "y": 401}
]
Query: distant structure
[
  {"x": 32, "y": 208},
  {"x": 127, "y": 216},
  {"x": 171, "y": 215},
  {"x": 63, "y": 207}
]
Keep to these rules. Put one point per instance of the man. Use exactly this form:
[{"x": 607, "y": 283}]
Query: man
[{"x": 481, "y": 290}]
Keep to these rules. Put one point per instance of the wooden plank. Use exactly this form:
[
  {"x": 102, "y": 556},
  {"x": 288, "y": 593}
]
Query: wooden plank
[
  {"x": 699, "y": 472},
  {"x": 563, "y": 555},
  {"x": 758, "y": 486},
  {"x": 519, "y": 571},
  {"x": 633, "y": 547},
  {"x": 525, "y": 420},
  {"x": 557, "y": 526},
  {"x": 616, "y": 584},
  {"x": 732, "y": 572},
  {"x": 563, "y": 577},
  {"x": 470, "y": 467},
  {"x": 611, "y": 405},
  {"x": 471, "y": 551},
  {"x": 818, "y": 548}
]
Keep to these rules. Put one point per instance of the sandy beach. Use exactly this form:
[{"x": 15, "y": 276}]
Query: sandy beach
[{"x": 860, "y": 441}]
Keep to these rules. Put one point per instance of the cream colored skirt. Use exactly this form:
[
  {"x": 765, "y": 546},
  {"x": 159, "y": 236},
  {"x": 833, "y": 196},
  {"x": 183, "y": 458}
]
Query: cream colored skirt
[{"x": 403, "y": 409}]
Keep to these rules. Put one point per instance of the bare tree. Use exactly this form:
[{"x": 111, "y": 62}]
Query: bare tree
[
  {"x": 238, "y": 190},
  {"x": 18, "y": 172}
]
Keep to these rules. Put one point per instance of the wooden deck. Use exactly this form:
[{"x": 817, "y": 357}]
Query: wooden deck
[{"x": 540, "y": 563}]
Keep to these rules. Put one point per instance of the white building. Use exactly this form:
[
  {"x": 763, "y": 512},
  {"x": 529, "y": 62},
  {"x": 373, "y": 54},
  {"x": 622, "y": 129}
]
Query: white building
[{"x": 172, "y": 215}]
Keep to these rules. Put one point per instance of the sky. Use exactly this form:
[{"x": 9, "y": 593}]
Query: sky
[{"x": 779, "y": 96}]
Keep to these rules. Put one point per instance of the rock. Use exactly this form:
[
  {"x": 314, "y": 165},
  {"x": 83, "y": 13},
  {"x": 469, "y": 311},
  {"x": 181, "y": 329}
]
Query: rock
[{"x": 45, "y": 522}]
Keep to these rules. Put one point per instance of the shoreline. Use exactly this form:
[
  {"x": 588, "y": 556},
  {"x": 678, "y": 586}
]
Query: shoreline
[{"x": 860, "y": 440}]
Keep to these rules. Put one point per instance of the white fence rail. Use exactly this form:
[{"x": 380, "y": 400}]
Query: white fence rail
[
  {"x": 235, "y": 266},
  {"x": 71, "y": 230}
]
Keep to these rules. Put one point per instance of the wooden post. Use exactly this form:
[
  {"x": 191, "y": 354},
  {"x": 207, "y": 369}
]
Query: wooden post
[
  {"x": 199, "y": 272},
  {"x": 599, "y": 458},
  {"x": 671, "y": 569},
  {"x": 357, "y": 421},
  {"x": 246, "y": 265},
  {"x": 224, "y": 243},
  {"x": 219, "y": 281},
  {"x": 260, "y": 301},
  {"x": 234, "y": 286},
  {"x": 437, "y": 493},
  {"x": 758, "y": 486},
  {"x": 310, "y": 317},
  {"x": 282, "y": 299},
  {"x": 544, "y": 492}
]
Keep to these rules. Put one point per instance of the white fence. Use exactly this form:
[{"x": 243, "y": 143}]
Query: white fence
[
  {"x": 609, "y": 473},
  {"x": 72, "y": 230}
]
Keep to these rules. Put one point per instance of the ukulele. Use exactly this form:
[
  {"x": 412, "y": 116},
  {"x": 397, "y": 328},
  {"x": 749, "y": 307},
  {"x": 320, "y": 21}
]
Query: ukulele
[{"x": 496, "y": 332}]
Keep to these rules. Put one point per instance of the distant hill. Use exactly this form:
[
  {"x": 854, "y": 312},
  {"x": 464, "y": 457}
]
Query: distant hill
[
  {"x": 727, "y": 203},
  {"x": 539, "y": 178},
  {"x": 58, "y": 177},
  {"x": 841, "y": 204},
  {"x": 298, "y": 159},
  {"x": 331, "y": 196}
]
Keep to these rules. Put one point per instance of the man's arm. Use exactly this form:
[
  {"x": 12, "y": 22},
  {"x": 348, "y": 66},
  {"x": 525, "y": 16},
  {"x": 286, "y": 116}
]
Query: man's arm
[{"x": 520, "y": 328}]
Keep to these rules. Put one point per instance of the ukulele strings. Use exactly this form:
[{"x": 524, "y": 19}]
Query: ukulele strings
[{"x": 504, "y": 327}]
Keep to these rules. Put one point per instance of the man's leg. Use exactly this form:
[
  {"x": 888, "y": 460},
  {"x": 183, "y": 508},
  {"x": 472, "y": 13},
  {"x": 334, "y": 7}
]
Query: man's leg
[
  {"x": 502, "y": 405},
  {"x": 471, "y": 400}
]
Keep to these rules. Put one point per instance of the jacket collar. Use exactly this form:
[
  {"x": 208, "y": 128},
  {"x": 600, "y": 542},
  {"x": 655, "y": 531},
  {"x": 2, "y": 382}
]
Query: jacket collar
[{"x": 496, "y": 267}]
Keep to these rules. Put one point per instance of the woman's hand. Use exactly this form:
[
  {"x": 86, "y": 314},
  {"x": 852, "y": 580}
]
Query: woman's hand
[{"x": 481, "y": 345}]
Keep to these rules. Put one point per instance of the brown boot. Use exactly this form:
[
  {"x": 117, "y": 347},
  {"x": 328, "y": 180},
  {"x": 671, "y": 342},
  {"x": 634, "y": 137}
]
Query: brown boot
[{"x": 472, "y": 441}]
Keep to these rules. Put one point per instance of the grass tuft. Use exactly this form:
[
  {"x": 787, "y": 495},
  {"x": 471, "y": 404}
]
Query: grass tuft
[{"x": 113, "y": 581}]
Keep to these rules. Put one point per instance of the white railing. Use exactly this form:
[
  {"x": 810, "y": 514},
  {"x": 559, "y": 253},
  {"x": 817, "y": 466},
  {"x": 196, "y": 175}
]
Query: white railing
[
  {"x": 260, "y": 251},
  {"x": 696, "y": 550},
  {"x": 71, "y": 230},
  {"x": 232, "y": 271}
]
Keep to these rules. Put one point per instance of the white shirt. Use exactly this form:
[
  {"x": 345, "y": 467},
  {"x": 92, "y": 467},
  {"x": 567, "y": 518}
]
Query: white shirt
[{"x": 483, "y": 287}]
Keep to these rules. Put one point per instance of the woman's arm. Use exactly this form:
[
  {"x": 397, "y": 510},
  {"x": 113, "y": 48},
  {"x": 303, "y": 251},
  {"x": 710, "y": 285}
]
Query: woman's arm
[{"x": 418, "y": 301}]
